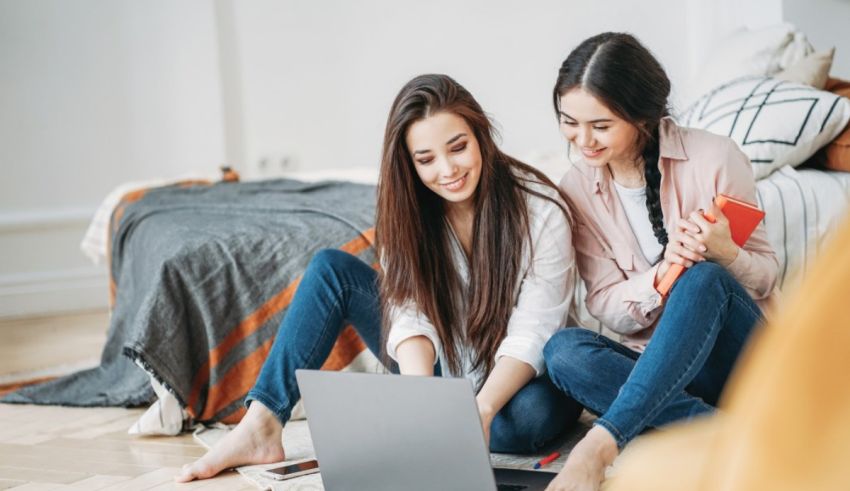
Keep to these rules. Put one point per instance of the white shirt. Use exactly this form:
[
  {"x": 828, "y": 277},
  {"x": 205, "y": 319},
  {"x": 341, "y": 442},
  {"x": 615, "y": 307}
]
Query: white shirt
[
  {"x": 634, "y": 204},
  {"x": 545, "y": 291}
]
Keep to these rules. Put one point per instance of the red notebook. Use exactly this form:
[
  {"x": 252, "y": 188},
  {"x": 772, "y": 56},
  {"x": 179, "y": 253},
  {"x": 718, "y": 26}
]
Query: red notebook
[{"x": 743, "y": 219}]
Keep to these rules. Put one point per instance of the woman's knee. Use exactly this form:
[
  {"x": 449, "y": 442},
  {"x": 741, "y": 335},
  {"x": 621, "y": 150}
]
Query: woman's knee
[
  {"x": 704, "y": 274},
  {"x": 336, "y": 267},
  {"x": 562, "y": 352},
  {"x": 331, "y": 260}
]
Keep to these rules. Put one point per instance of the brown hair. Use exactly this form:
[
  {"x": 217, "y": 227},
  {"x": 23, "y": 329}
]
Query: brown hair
[{"x": 413, "y": 240}]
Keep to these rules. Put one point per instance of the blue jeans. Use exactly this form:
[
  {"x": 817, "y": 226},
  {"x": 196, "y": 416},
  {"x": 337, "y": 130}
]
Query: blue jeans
[
  {"x": 705, "y": 325},
  {"x": 338, "y": 289}
]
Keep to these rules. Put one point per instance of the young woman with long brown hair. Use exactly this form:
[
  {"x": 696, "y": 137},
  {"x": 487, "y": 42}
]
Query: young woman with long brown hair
[
  {"x": 477, "y": 274},
  {"x": 637, "y": 194}
]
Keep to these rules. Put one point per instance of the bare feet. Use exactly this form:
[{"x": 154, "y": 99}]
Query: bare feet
[
  {"x": 255, "y": 440},
  {"x": 585, "y": 467}
]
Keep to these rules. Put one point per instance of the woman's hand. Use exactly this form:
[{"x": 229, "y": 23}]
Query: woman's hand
[
  {"x": 714, "y": 238},
  {"x": 682, "y": 248}
]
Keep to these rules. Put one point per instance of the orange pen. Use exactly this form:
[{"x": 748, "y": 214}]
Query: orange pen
[{"x": 547, "y": 460}]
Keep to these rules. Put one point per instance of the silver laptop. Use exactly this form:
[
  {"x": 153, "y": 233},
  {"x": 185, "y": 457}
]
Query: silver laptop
[{"x": 390, "y": 432}]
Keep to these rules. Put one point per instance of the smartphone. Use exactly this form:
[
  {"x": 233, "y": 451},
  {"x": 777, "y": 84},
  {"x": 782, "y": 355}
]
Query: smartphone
[{"x": 293, "y": 470}]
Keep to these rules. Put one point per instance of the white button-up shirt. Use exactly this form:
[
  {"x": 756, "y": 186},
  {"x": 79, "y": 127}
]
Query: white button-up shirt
[{"x": 543, "y": 298}]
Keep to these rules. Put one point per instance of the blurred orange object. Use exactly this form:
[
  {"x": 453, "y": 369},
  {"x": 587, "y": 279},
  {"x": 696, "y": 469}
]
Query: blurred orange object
[{"x": 228, "y": 174}]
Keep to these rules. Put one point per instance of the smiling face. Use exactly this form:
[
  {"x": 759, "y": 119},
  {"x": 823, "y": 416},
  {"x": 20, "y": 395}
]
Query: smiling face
[
  {"x": 600, "y": 135},
  {"x": 446, "y": 156}
]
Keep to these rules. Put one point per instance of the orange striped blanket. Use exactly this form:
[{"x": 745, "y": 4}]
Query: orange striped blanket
[{"x": 202, "y": 275}]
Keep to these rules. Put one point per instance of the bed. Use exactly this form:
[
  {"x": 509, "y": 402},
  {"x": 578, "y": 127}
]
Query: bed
[
  {"x": 201, "y": 275},
  {"x": 804, "y": 207}
]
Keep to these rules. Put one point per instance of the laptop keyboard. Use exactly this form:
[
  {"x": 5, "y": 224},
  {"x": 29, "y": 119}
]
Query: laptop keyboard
[{"x": 511, "y": 487}]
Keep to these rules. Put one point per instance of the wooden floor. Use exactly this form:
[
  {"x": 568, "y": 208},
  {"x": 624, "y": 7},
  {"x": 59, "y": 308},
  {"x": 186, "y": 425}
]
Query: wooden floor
[
  {"x": 45, "y": 342},
  {"x": 47, "y": 447}
]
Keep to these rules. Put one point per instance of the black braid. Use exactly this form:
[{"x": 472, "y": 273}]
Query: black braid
[{"x": 652, "y": 174}]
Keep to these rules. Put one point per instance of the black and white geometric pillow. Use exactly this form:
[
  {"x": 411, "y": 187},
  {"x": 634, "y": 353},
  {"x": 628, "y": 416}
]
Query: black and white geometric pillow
[{"x": 774, "y": 122}]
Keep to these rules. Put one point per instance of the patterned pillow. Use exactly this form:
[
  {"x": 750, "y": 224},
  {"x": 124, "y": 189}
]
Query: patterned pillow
[{"x": 774, "y": 122}]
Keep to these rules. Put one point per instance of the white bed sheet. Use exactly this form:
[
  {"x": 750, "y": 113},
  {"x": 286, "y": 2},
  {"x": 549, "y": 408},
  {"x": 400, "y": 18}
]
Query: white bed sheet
[{"x": 804, "y": 207}]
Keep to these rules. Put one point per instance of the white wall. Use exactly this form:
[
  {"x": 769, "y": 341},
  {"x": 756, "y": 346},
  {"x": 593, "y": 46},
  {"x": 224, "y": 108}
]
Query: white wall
[
  {"x": 318, "y": 78},
  {"x": 711, "y": 20},
  {"x": 94, "y": 93},
  {"x": 827, "y": 24}
]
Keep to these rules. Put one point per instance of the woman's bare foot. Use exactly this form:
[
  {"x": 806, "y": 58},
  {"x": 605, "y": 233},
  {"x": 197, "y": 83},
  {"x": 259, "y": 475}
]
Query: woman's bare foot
[
  {"x": 585, "y": 467},
  {"x": 255, "y": 440}
]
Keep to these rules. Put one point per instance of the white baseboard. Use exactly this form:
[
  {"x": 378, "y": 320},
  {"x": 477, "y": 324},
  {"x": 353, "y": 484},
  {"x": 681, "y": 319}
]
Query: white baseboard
[
  {"x": 16, "y": 221},
  {"x": 37, "y": 294},
  {"x": 42, "y": 270}
]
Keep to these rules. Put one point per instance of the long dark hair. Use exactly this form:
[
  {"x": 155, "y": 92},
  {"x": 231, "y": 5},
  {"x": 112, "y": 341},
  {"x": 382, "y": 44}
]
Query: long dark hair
[
  {"x": 412, "y": 237},
  {"x": 619, "y": 71}
]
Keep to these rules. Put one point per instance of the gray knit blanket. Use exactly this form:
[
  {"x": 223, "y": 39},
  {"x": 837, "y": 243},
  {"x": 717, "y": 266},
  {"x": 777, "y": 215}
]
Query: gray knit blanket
[{"x": 202, "y": 276}]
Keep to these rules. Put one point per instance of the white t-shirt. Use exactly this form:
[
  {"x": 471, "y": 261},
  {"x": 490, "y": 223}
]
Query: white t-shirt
[{"x": 634, "y": 203}]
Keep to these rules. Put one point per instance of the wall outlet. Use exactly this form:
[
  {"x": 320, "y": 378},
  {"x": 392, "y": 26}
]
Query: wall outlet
[{"x": 277, "y": 164}]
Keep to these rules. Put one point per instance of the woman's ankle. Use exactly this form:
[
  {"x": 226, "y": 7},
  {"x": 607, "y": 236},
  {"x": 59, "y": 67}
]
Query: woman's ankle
[
  {"x": 600, "y": 443},
  {"x": 258, "y": 415}
]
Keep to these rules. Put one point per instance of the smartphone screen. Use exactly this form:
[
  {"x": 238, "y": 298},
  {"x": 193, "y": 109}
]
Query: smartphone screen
[{"x": 291, "y": 470}]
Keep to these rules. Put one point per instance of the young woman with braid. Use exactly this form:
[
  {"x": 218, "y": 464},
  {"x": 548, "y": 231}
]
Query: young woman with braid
[{"x": 637, "y": 193}]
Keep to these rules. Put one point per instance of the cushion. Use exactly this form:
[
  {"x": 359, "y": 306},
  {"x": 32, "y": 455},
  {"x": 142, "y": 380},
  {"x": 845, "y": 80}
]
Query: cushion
[
  {"x": 794, "y": 51},
  {"x": 774, "y": 122},
  {"x": 812, "y": 70}
]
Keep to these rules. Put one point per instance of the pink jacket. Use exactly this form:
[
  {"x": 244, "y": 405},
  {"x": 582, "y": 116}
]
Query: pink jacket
[{"x": 695, "y": 167}]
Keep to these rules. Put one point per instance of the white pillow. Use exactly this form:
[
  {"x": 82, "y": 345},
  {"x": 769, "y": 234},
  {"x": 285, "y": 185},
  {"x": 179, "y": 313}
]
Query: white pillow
[
  {"x": 163, "y": 417},
  {"x": 812, "y": 70},
  {"x": 796, "y": 50},
  {"x": 774, "y": 122},
  {"x": 749, "y": 52}
]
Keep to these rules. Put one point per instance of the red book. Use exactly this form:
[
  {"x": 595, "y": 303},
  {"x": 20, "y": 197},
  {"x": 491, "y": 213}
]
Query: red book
[{"x": 743, "y": 219}]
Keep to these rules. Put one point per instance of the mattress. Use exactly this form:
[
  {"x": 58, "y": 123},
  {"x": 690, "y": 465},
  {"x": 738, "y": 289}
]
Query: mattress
[{"x": 804, "y": 207}]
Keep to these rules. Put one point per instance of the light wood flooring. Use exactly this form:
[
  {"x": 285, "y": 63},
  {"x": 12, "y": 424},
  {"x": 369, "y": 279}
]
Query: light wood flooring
[
  {"x": 41, "y": 343},
  {"x": 48, "y": 447}
]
